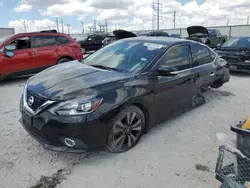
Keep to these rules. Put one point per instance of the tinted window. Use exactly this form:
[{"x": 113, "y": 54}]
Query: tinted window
[
  {"x": 99, "y": 37},
  {"x": 18, "y": 44},
  {"x": 201, "y": 55},
  {"x": 62, "y": 40},
  {"x": 237, "y": 42},
  {"x": 177, "y": 57},
  {"x": 128, "y": 56},
  {"x": 40, "y": 41}
]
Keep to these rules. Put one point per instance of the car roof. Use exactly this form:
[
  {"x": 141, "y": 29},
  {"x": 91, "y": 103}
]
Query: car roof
[
  {"x": 160, "y": 40},
  {"x": 40, "y": 33}
]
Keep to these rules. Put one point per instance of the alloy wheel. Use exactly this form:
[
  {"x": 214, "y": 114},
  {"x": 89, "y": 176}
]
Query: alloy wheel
[{"x": 127, "y": 130}]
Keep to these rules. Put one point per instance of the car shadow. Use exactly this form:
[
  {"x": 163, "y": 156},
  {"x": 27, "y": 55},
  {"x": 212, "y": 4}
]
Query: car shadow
[
  {"x": 14, "y": 81},
  {"x": 240, "y": 74}
]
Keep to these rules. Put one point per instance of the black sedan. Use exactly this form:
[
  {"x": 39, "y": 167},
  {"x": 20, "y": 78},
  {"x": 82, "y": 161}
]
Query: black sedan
[
  {"x": 236, "y": 52},
  {"x": 118, "y": 93}
]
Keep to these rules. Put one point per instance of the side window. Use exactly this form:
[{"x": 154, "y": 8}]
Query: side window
[
  {"x": 41, "y": 41},
  {"x": 99, "y": 37},
  {"x": 177, "y": 58},
  {"x": 201, "y": 55},
  {"x": 62, "y": 40},
  {"x": 18, "y": 44},
  {"x": 91, "y": 37}
]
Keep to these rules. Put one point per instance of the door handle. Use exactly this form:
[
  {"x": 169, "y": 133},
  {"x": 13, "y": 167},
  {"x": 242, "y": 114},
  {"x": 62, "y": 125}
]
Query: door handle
[
  {"x": 30, "y": 53},
  {"x": 56, "y": 50}
]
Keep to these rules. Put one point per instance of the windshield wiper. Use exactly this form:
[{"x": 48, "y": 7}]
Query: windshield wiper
[{"x": 105, "y": 67}]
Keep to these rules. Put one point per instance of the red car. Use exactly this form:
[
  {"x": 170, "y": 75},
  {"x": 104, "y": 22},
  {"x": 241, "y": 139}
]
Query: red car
[{"x": 29, "y": 53}]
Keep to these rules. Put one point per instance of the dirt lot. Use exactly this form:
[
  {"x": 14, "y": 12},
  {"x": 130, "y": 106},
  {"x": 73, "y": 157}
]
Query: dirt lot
[{"x": 165, "y": 157}]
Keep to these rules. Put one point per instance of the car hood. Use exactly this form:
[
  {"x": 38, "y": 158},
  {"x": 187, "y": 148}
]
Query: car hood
[
  {"x": 74, "y": 79},
  {"x": 122, "y": 34},
  {"x": 197, "y": 29}
]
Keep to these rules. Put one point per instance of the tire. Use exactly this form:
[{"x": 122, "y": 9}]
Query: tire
[
  {"x": 216, "y": 84},
  {"x": 123, "y": 135},
  {"x": 63, "y": 60}
]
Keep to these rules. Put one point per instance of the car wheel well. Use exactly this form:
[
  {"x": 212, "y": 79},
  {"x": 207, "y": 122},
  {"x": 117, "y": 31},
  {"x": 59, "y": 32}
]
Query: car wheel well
[
  {"x": 65, "y": 57},
  {"x": 146, "y": 114}
]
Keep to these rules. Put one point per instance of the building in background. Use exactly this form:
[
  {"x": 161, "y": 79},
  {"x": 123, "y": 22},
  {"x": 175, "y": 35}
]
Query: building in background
[{"x": 6, "y": 31}]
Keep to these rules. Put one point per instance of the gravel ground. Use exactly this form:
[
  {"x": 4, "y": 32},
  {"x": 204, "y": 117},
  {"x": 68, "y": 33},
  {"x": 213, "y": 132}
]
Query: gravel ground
[{"x": 165, "y": 157}]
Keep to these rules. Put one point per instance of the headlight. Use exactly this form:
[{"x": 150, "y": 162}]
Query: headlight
[{"x": 72, "y": 108}]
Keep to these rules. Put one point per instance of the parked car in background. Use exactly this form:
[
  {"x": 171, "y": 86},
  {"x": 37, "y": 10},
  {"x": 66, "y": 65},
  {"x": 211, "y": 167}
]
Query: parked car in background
[
  {"x": 118, "y": 93},
  {"x": 117, "y": 34},
  {"x": 153, "y": 34},
  {"x": 236, "y": 51},
  {"x": 211, "y": 37},
  {"x": 175, "y": 36},
  {"x": 92, "y": 42},
  {"x": 28, "y": 53}
]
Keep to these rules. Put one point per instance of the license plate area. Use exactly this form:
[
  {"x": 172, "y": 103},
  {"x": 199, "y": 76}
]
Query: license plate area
[
  {"x": 27, "y": 118},
  {"x": 233, "y": 67}
]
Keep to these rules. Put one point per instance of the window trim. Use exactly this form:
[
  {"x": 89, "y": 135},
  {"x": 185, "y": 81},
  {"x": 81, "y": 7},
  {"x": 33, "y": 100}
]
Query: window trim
[
  {"x": 36, "y": 47},
  {"x": 30, "y": 38},
  {"x": 190, "y": 57}
]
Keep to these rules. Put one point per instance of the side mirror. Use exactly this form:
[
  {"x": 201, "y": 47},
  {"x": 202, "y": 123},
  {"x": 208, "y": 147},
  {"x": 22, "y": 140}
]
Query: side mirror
[
  {"x": 9, "y": 54},
  {"x": 167, "y": 71}
]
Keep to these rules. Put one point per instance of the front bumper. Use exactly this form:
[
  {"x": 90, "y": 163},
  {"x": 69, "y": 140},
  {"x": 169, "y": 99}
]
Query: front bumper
[
  {"x": 88, "y": 132},
  {"x": 239, "y": 67}
]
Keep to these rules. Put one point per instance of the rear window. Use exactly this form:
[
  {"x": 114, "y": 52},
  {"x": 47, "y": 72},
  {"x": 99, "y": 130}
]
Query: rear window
[
  {"x": 62, "y": 40},
  {"x": 41, "y": 41}
]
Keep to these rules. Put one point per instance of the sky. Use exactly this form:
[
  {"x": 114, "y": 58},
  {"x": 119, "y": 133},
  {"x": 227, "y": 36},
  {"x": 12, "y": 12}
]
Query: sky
[{"x": 123, "y": 14}]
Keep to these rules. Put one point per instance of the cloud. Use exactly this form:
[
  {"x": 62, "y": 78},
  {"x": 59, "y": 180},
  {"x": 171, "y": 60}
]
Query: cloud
[
  {"x": 110, "y": 4},
  {"x": 23, "y": 8},
  {"x": 73, "y": 8},
  {"x": 45, "y": 3}
]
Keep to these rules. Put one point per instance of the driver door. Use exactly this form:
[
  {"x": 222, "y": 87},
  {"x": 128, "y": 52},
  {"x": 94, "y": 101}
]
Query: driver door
[
  {"x": 173, "y": 94},
  {"x": 22, "y": 61}
]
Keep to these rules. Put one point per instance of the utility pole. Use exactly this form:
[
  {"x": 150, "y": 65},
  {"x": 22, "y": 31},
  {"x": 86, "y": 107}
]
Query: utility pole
[
  {"x": 175, "y": 18},
  {"x": 68, "y": 28},
  {"x": 106, "y": 25},
  {"x": 227, "y": 22},
  {"x": 248, "y": 20},
  {"x": 62, "y": 25},
  {"x": 95, "y": 25},
  {"x": 82, "y": 27},
  {"x": 57, "y": 24},
  {"x": 24, "y": 24},
  {"x": 158, "y": 15}
]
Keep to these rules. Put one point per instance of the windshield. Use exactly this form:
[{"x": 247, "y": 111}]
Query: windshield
[
  {"x": 128, "y": 56},
  {"x": 238, "y": 42},
  {"x": 2, "y": 39}
]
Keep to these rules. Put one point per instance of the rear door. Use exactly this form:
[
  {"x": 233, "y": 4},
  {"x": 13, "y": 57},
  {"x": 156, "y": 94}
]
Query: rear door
[
  {"x": 203, "y": 64},
  {"x": 23, "y": 60},
  {"x": 173, "y": 94},
  {"x": 46, "y": 49}
]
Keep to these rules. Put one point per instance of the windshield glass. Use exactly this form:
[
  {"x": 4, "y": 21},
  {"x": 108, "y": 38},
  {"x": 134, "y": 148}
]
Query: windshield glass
[
  {"x": 2, "y": 39},
  {"x": 129, "y": 56},
  {"x": 238, "y": 42}
]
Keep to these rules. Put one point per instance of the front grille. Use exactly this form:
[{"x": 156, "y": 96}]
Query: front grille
[
  {"x": 34, "y": 101},
  {"x": 43, "y": 137}
]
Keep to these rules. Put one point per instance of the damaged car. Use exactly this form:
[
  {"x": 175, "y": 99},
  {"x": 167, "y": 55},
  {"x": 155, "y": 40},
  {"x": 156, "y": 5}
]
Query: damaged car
[
  {"x": 115, "y": 95},
  {"x": 117, "y": 34},
  {"x": 210, "y": 37},
  {"x": 236, "y": 51}
]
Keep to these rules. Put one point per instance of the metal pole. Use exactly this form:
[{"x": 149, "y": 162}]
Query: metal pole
[
  {"x": 174, "y": 18},
  {"x": 158, "y": 15},
  {"x": 248, "y": 20},
  {"x": 82, "y": 27},
  {"x": 227, "y": 22},
  {"x": 95, "y": 25},
  {"x": 62, "y": 25},
  {"x": 24, "y": 23},
  {"x": 68, "y": 28},
  {"x": 57, "y": 25},
  {"x": 106, "y": 24}
]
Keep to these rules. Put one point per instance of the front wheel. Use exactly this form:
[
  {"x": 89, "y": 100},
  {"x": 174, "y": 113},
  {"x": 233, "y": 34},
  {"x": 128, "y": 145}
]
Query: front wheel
[
  {"x": 127, "y": 129},
  {"x": 63, "y": 60}
]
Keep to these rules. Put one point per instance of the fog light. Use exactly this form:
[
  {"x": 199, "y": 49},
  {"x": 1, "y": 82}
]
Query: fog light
[{"x": 69, "y": 142}]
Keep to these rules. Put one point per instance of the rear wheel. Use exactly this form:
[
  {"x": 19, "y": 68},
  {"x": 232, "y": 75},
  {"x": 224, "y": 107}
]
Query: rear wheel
[
  {"x": 63, "y": 60},
  {"x": 128, "y": 127},
  {"x": 216, "y": 84}
]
